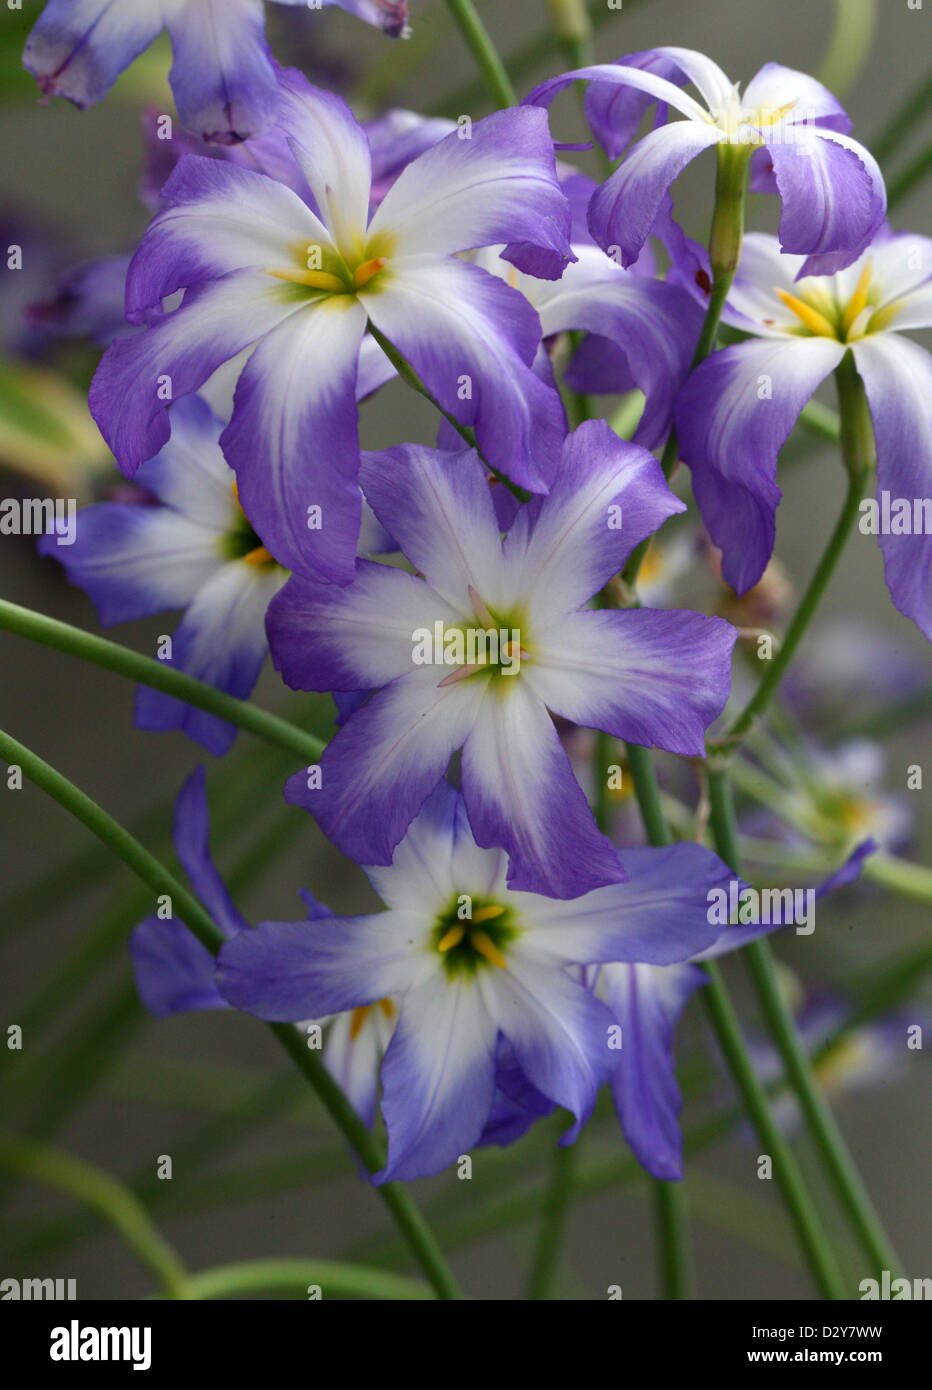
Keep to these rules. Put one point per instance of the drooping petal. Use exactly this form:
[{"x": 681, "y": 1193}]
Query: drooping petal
[
  {"x": 174, "y": 972},
  {"x": 654, "y": 678},
  {"x": 713, "y": 85},
  {"x": 191, "y": 834},
  {"x": 134, "y": 561},
  {"x": 219, "y": 218},
  {"x": 472, "y": 340},
  {"x": 331, "y": 147},
  {"x": 221, "y": 640},
  {"x": 897, "y": 377},
  {"x": 732, "y": 418},
  {"x": 623, "y": 211},
  {"x": 833, "y": 198},
  {"x": 139, "y": 377},
  {"x": 608, "y": 496},
  {"x": 614, "y": 112},
  {"x": 358, "y": 638},
  {"x": 78, "y": 48},
  {"x": 659, "y": 916},
  {"x": 622, "y": 75},
  {"x": 438, "y": 507},
  {"x": 289, "y": 971},
  {"x": 655, "y": 325},
  {"x": 386, "y": 760},
  {"x": 521, "y": 794},
  {"x": 559, "y": 1032},
  {"x": 647, "y": 1000},
  {"x": 498, "y": 185},
  {"x": 438, "y": 1079},
  {"x": 293, "y": 439},
  {"x": 222, "y": 77}
]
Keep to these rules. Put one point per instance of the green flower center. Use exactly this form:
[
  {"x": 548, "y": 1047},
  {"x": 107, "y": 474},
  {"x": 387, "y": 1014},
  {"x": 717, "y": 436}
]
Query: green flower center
[{"x": 473, "y": 934}]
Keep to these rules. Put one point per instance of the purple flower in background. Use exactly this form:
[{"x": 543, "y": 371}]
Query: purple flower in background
[
  {"x": 223, "y": 77},
  {"x": 476, "y": 654},
  {"x": 652, "y": 326},
  {"x": 468, "y": 962},
  {"x": 831, "y": 190},
  {"x": 739, "y": 406},
  {"x": 194, "y": 550},
  {"x": 262, "y": 270}
]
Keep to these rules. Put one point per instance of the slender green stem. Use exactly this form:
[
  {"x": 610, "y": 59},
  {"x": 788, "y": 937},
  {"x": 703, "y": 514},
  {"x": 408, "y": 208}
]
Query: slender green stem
[
  {"x": 332, "y": 1278},
  {"x": 554, "y": 1216},
  {"x": 728, "y": 1032},
  {"x": 857, "y": 449},
  {"x": 899, "y": 875},
  {"x": 671, "y": 1219},
  {"x": 484, "y": 51},
  {"x": 99, "y": 651},
  {"x": 409, "y": 375},
  {"x": 907, "y": 179},
  {"x": 98, "y": 1190},
  {"x": 195, "y": 917},
  {"x": 572, "y": 28},
  {"x": 828, "y": 1138}
]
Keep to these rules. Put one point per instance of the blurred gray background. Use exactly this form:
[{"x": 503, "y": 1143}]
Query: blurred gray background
[{"x": 136, "y": 1088}]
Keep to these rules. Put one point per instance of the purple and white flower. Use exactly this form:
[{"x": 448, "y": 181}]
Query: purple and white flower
[
  {"x": 739, "y": 406},
  {"x": 830, "y": 187},
  {"x": 192, "y": 549},
  {"x": 263, "y": 271},
  {"x": 516, "y": 641},
  {"x": 470, "y": 963},
  {"x": 223, "y": 77}
]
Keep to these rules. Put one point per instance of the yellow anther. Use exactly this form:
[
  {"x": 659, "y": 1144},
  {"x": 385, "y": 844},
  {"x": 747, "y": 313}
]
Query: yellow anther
[
  {"x": 484, "y": 944},
  {"x": 387, "y": 1007},
  {"x": 883, "y": 318},
  {"x": 313, "y": 279},
  {"x": 774, "y": 116},
  {"x": 485, "y": 914},
  {"x": 357, "y": 1020},
  {"x": 858, "y": 301},
  {"x": 451, "y": 938},
  {"x": 365, "y": 272},
  {"x": 817, "y": 323},
  {"x": 236, "y": 489},
  {"x": 259, "y": 556}
]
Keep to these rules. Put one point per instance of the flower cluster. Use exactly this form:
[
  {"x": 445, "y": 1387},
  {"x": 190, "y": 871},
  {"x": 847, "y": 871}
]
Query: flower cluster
[{"x": 463, "y": 603}]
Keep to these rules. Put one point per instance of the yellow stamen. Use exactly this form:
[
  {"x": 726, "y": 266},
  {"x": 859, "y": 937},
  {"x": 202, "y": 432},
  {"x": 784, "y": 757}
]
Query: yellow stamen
[
  {"x": 313, "y": 279},
  {"x": 259, "y": 556},
  {"x": 236, "y": 489},
  {"x": 387, "y": 1007},
  {"x": 484, "y": 944},
  {"x": 485, "y": 914},
  {"x": 885, "y": 316},
  {"x": 774, "y": 116},
  {"x": 364, "y": 273},
  {"x": 858, "y": 301},
  {"x": 451, "y": 938},
  {"x": 357, "y": 1020},
  {"x": 817, "y": 323}
]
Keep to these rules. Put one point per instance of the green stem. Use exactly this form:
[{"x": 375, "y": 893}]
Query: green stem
[
  {"x": 858, "y": 453},
  {"x": 98, "y": 1190},
  {"x": 554, "y": 1217},
  {"x": 828, "y": 1138},
  {"x": 899, "y": 875},
  {"x": 671, "y": 1218},
  {"x": 409, "y": 375},
  {"x": 484, "y": 52},
  {"x": 572, "y": 27},
  {"x": 111, "y": 656},
  {"x": 728, "y": 1032},
  {"x": 198, "y": 920},
  {"x": 334, "y": 1279}
]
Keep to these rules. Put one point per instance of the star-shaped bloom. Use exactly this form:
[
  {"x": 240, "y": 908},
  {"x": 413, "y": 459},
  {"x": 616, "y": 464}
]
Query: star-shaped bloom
[
  {"x": 832, "y": 192},
  {"x": 469, "y": 963},
  {"x": 477, "y": 653},
  {"x": 297, "y": 282},
  {"x": 739, "y": 406},
  {"x": 223, "y": 77}
]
